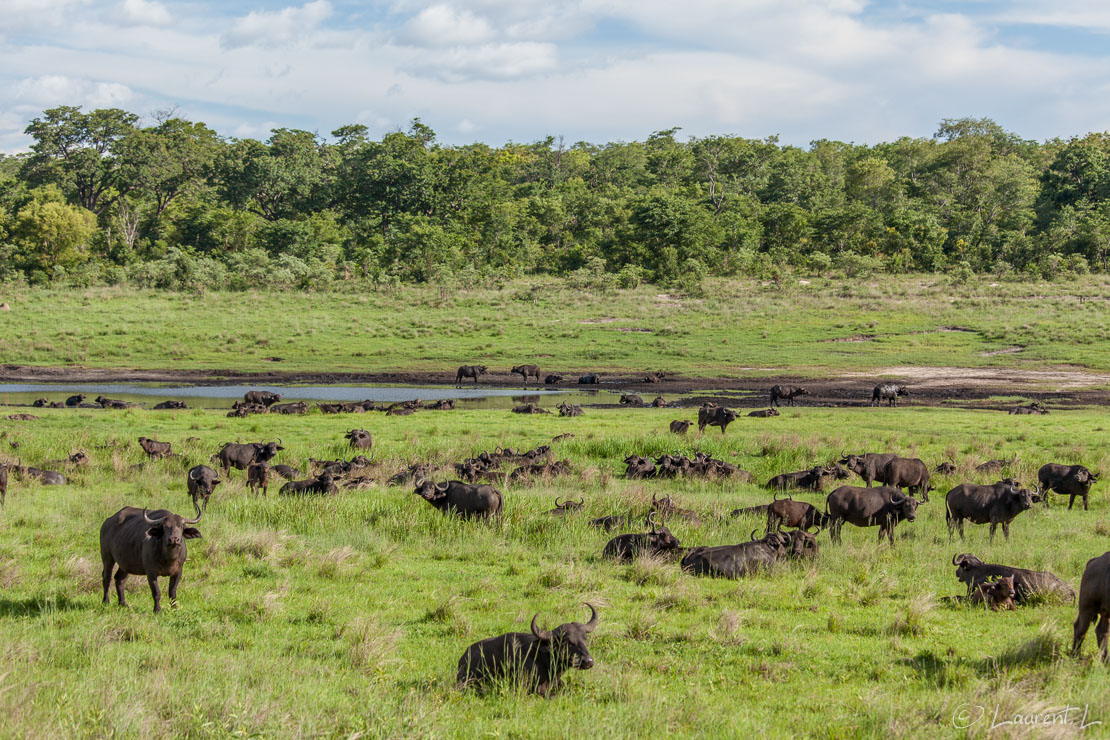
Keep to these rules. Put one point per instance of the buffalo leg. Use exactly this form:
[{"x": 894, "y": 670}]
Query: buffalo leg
[
  {"x": 1085, "y": 503},
  {"x": 1082, "y": 623},
  {"x": 993, "y": 527},
  {"x": 108, "y": 563},
  {"x": 1102, "y": 631},
  {"x": 173, "y": 590},
  {"x": 1006, "y": 529},
  {"x": 121, "y": 576},
  {"x": 155, "y": 591},
  {"x": 960, "y": 524},
  {"x": 1071, "y": 502}
]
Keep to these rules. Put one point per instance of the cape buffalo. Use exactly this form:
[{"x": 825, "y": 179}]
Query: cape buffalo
[
  {"x": 609, "y": 523},
  {"x": 525, "y": 371},
  {"x": 74, "y": 401},
  {"x": 789, "y": 392},
  {"x": 715, "y": 416},
  {"x": 680, "y": 426},
  {"x": 463, "y": 499},
  {"x": 145, "y": 543},
  {"x": 996, "y": 594},
  {"x": 797, "y": 514},
  {"x": 995, "y": 504},
  {"x": 112, "y": 403},
  {"x": 631, "y": 399},
  {"x": 1027, "y": 583},
  {"x": 945, "y": 468},
  {"x": 627, "y": 546},
  {"x": 659, "y": 402},
  {"x": 566, "y": 507},
  {"x": 867, "y": 507},
  {"x": 994, "y": 466},
  {"x": 258, "y": 476},
  {"x": 565, "y": 409},
  {"x": 286, "y": 472},
  {"x": 155, "y": 450},
  {"x": 297, "y": 407},
  {"x": 588, "y": 379},
  {"x": 1068, "y": 480},
  {"x": 1094, "y": 603},
  {"x": 889, "y": 392},
  {"x": 170, "y": 405},
  {"x": 764, "y": 413},
  {"x": 869, "y": 466},
  {"x": 265, "y": 398},
  {"x": 734, "y": 561},
  {"x": 202, "y": 480},
  {"x": 553, "y": 379},
  {"x": 359, "y": 439},
  {"x": 1032, "y": 408},
  {"x": 46, "y": 477},
  {"x": 321, "y": 484},
  {"x": 909, "y": 473},
  {"x": 666, "y": 507},
  {"x": 537, "y": 659},
  {"x": 469, "y": 371},
  {"x": 529, "y": 408},
  {"x": 41, "y": 403},
  {"x": 443, "y": 404},
  {"x": 239, "y": 456}
]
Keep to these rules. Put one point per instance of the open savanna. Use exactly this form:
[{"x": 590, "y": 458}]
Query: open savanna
[
  {"x": 345, "y": 615},
  {"x": 739, "y": 327}
]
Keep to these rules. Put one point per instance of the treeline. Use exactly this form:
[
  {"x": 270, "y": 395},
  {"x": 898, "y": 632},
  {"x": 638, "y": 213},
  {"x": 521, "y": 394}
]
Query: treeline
[{"x": 103, "y": 199}]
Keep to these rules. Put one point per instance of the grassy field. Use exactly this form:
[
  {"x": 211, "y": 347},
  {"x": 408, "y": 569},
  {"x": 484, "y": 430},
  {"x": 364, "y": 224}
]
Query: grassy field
[
  {"x": 345, "y": 616},
  {"x": 740, "y": 328}
]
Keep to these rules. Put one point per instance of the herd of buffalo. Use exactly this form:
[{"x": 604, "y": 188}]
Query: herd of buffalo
[{"x": 136, "y": 541}]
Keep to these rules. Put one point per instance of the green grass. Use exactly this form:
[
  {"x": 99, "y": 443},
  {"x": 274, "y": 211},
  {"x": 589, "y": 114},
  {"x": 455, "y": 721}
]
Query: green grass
[
  {"x": 347, "y": 614},
  {"x": 740, "y": 328}
]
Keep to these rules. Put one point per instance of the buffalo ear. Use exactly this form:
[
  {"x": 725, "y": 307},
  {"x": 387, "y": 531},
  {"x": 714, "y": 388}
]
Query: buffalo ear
[
  {"x": 216, "y": 482},
  {"x": 191, "y": 533},
  {"x": 156, "y": 532}
]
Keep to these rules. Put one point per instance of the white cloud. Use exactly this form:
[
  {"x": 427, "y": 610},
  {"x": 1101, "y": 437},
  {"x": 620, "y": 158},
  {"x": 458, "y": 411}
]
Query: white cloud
[
  {"x": 441, "y": 25},
  {"x": 278, "y": 28},
  {"x": 49, "y": 90},
  {"x": 144, "y": 13},
  {"x": 485, "y": 61}
]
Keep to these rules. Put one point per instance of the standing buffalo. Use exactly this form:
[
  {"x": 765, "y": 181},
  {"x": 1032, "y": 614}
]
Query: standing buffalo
[
  {"x": 202, "y": 480},
  {"x": 680, "y": 426},
  {"x": 715, "y": 416},
  {"x": 869, "y": 466},
  {"x": 153, "y": 449},
  {"x": 359, "y": 439},
  {"x": 525, "y": 371},
  {"x": 3, "y": 483},
  {"x": 868, "y": 507},
  {"x": 1027, "y": 583},
  {"x": 627, "y": 546},
  {"x": 788, "y": 392},
  {"x": 565, "y": 409},
  {"x": 1069, "y": 480},
  {"x": 909, "y": 473},
  {"x": 889, "y": 392},
  {"x": 266, "y": 398},
  {"x": 790, "y": 513},
  {"x": 258, "y": 476},
  {"x": 239, "y": 456},
  {"x": 463, "y": 499},
  {"x": 537, "y": 659},
  {"x": 469, "y": 371},
  {"x": 1033, "y": 408},
  {"x": 588, "y": 379},
  {"x": 142, "y": 543},
  {"x": 1094, "y": 603},
  {"x": 996, "y": 504}
]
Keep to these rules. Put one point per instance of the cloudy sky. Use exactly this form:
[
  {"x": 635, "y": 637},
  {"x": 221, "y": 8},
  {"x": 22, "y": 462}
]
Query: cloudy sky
[{"x": 596, "y": 70}]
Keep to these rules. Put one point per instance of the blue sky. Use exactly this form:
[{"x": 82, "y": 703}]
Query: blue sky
[{"x": 595, "y": 70}]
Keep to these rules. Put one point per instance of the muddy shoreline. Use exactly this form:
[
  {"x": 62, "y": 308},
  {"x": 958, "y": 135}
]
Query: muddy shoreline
[{"x": 928, "y": 386}]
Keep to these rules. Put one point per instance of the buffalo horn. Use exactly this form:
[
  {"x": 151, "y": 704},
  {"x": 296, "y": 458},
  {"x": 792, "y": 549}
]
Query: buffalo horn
[
  {"x": 1036, "y": 490},
  {"x": 557, "y": 504},
  {"x": 753, "y": 535},
  {"x": 152, "y": 521},
  {"x": 592, "y": 624},
  {"x": 651, "y": 521},
  {"x": 199, "y": 514},
  {"x": 901, "y": 499},
  {"x": 445, "y": 485},
  {"x": 542, "y": 634},
  {"x": 191, "y": 476},
  {"x": 954, "y": 561}
]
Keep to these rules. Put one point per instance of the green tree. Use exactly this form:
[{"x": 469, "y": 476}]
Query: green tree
[{"x": 51, "y": 233}]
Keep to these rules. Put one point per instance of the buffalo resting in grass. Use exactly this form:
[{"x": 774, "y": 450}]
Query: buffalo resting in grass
[
  {"x": 359, "y": 439},
  {"x": 171, "y": 405},
  {"x": 1028, "y": 584},
  {"x": 659, "y": 541},
  {"x": 535, "y": 659},
  {"x": 680, "y": 426},
  {"x": 566, "y": 409},
  {"x": 138, "y": 542}
]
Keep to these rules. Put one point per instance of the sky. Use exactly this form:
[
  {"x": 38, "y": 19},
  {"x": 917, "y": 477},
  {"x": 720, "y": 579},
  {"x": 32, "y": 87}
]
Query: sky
[{"x": 585, "y": 70}]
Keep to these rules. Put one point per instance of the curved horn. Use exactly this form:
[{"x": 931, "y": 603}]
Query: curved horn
[
  {"x": 152, "y": 521},
  {"x": 954, "y": 561},
  {"x": 199, "y": 514},
  {"x": 582, "y": 501},
  {"x": 191, "y": 476},
  {"x": 557, "y": 504},
  {"x": 1036, "y": 490},
  {"x": 816, "y": 531},
  {"x": 373, "y": 454},
  {"x": 280, "y": 443},
  {"x": 348, "y": 434},
  {"x": 420, "y": 482},
  {"x": 445, "y": 484},
  {"x": 651, "y": 521},
  {"x": 753, "y": 535},
  {"x": 542, "y": 634},
  {"x": 592, "y": 624},
  {"x": 901, "y": 499}
]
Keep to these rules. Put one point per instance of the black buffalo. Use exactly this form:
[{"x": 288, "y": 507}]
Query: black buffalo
[
  {"x": 588, "y": 379},
  {"x": 1069, "y": 480},
  {"x": 764, "y": 413},
  {"x": 201, "y": 482},
  {"x": 889, "y": 392},
  {"x": 74, "y": 401},
  {"x": 1027, "y": 583},
  {"x": 869, "y": 466},
  {"x": 680, "y": 426},
  {"x": 359, "y": 439},
  {"x": 565, "y": 409},
  {"x": 463, "y": 499},
  {"x": 796, "y": 514},
  {"x": 239, "y": 456},
  {"x": 155, "y": 450},
  {"x": 566, "y": 507},
  {"x": 553, "y": 379},
  {"x": 322, "y": 484},
  {"x": 469, "y": 371},
  {"x": 1094, "y": 603},
  {"x": 909, "y": 473},
  {"x": 609, "y": 523},
  {"x": 46, "y": 477},
  {"x": 868, "y": 507},
  {"x": 631, "y": 399},
  {"x": 715, "y": 416},
  {"x": 658, "y": 541},
  {"x": 788, "y": 392},
  {"x": 145, "y": 543},
  {"x": 995, "y": 504},
  {"x": 258, "y": 476},
  {"x": 526, "y": 371},
  {"x": 537, "y": 659},
  {"x": 265, "y": 398},
  {"x": 168, "y": 405},
  {"x": 297, "y": 407}
]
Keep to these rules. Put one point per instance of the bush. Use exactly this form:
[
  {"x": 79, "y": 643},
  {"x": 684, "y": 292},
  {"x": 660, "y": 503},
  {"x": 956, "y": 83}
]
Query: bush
[
  {"x": 631, "y": 276},
  {"x": 961, "y": 273},
  {"x": 858, "y": 265}
]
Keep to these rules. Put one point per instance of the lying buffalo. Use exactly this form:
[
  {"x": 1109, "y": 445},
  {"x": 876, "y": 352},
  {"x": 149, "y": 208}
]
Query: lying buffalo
[
  {"x": 736, "y": 561},
  {"x": 1027, "y": 583},
  {"x": 145, "y": 543},
  {"x": 170, "y": 405},
  {"x": 201, "y": 482},
  {"x": 764, "y": 413},
  {"x": 469, "y": 371},
  {"x": 889, "y": 392},
  {"x": 659, "y": 402},
  {"x": 1032, "y": 408},
  {"x": 945, "y": 468},
  {"x": 359, "y": 439},
  {"x": 995, "y": 466},
  {"x": 537, "y": 660},
  {"x": 588, "y": 379},
  {"x": 609, "y": 523},
  {"x": 565, "y": 409},
  {"x": 553, "y": 379},
  {"x": 1068, "y": 480},
  {"x": 715, "y": 416},
  {"x": 666, "y": 507},
  {"x": 265, "y": 398},
  {"x": 995, "y": 504},
  {"x": 75, "y": 401},
  {"x": 1094, "y": 603},
  {"x": 788, "y": 392},
  {"x": 658, "y": 541},
  {"x": 566, "y": 507},
  {"x": 812, "y": 479},
  {"x": 631, "y": 399},
  {"x": 680, "y": 426},
  {"x": 526, "y": 371},
  {"x": 112, "y": 403},
  {"x": 462, "y": 499},
  {"x": 297, "y": 407},
  {"x": 443, "y": 404},
  {"x": 529, "y": 408},
  {"x": 155, "y": 450},
  {"x": 868, "y": 507},
  {"x": 239, "y": 456},
  {"x": 286, "y": 472},
  {"x": 46, "y": 477},
  {"x": 322, "y": 484}
]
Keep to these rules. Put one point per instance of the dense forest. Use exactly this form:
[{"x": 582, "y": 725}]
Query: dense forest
[{"x": 103, "y": 199}]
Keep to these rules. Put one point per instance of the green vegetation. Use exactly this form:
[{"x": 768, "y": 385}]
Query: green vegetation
[
  {"x": 347, "y": 614},
  {"x": 175, "y": 205},
  {"x": 743, "y": 328}
]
